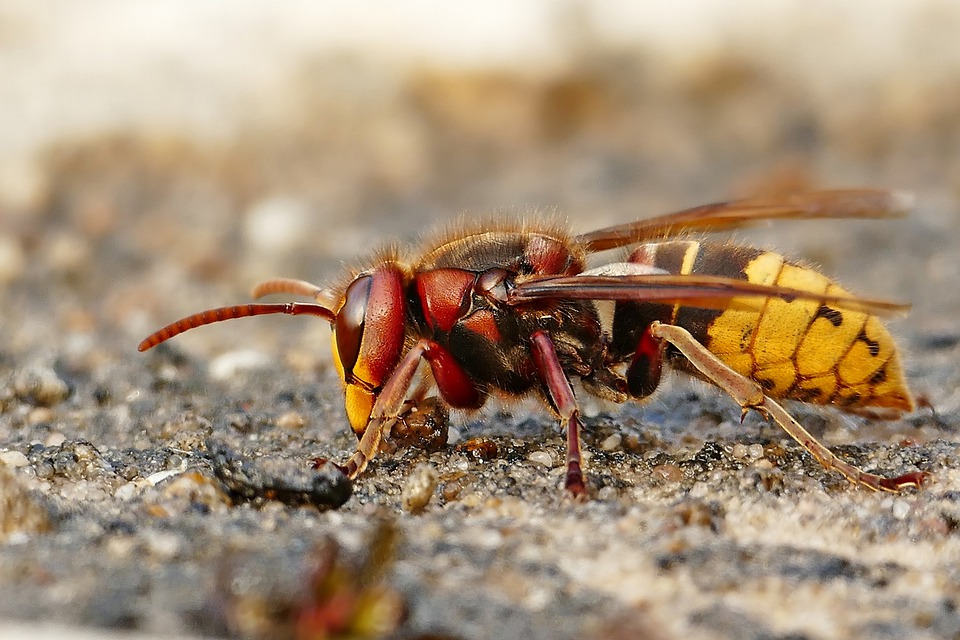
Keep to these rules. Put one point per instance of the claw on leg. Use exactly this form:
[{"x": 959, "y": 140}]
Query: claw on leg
[{"x": 830, "y": 460}]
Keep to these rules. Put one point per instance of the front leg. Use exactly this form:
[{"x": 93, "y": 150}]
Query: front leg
[{"x": 454, "y": 385}]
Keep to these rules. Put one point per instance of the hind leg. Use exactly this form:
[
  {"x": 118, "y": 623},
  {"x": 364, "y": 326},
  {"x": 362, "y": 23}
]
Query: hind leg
[{"x": 749, "y": 395}]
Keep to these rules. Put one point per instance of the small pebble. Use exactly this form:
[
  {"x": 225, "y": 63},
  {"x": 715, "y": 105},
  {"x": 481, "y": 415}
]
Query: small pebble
[
  {"x": 229, "y": 364},
  {"x": 120, "y": 547},
  {"x": 607, "y": 493},
  {"x": 739, "y": 451},
  {"x": 190, "y": 490},
  {"x": 20, "y": 511},
  {"x": 473, "y": 499},
  {"x": 419, "y": 487},
  {"x": 900, "y": 509},
  {"x": 167, "y": 373},
  {"x": 456, "y": 485},
  {"x": 612, "y": 442},
  {"x": 13, "y": 459},
  {"x": 85, "y": 452},
  {"x": 291, "y": 420},
  {"x": 164, "y": 546},
  {"x": 126, "y": 491},
  {"x": 44, "y": 470},
  {"x": 541, "y": 457},
  {"x": 510, "y": 507},
  {"x": 55, "y": 439},
  {"x": 479, "y": 449},
  {"x": 667, "y": 472},
  {"x": 41, "y": 387},
  {"x": 755, "y": 451},
  {"x": 453, "y": 436},
  {"x": 160, "y": 476},
  {"x": 129, "y": 472}
]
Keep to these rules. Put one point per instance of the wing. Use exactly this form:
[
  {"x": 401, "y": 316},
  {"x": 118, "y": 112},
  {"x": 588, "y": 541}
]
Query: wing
[
  {"x": 842, "y": 203},
  {"x": 708, "y": 292}
]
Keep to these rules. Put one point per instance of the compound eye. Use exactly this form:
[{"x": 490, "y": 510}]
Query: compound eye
[{"x": 348, "y": 327}]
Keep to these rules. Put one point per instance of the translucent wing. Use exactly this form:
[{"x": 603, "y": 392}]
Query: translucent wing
[{"x": 842, "y": 203}]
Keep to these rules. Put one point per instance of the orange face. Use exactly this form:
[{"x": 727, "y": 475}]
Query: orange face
[{"x": 368, "y": 336}]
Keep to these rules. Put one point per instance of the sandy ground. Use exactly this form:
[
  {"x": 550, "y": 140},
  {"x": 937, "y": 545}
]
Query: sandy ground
[{"x": 120, "y": 510}]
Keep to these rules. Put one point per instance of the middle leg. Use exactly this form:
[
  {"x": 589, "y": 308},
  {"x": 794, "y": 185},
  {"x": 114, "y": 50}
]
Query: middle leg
[{"x": 565, "y": 403}]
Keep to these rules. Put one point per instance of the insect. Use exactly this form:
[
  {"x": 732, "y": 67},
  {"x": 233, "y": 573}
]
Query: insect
[{"x": 515, "y": 310}]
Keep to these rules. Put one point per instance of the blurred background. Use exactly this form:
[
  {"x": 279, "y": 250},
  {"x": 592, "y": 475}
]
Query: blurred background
[{"x": 157, "y": 158}]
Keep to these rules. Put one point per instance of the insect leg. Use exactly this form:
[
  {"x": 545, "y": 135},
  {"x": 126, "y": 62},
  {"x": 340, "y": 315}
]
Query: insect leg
[
  {"x": 455, "y": 387},
  {"x": 563, "y": 400},
  {"x": 387, "y": 407},
  {"x": 749, "y": 395},
  {"x": 646, "y": 366},
  {"x": 829, "y": 460}
]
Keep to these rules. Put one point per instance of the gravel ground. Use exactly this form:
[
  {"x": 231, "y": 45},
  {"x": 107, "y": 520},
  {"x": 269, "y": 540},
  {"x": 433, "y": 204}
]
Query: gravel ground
[{"x": 169, "y": 492}]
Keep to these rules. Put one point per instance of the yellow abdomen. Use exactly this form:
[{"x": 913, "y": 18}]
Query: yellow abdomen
[{"x": 808, "y": 351}]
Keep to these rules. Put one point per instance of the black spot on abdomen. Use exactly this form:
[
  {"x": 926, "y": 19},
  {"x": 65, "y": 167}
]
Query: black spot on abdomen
[
  {"x": 872, "y": 345},
  {"x": 834, "y": 316}
]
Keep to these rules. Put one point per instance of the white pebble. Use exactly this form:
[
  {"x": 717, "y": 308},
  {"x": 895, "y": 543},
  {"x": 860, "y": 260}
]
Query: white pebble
[
  {"x": 156, "y": 478},
  {"x": 290, "y": 420},
  {"x": 538, "y": 598},
  {"x": 541, "y": 457},
  {"x": 611, "y": 443},
  {"x": 419, "y": 487},
  {"x": 607, "y": 493},
  {"x": 126, "y": 492},
  {"x": 55, "y": 439},
  {"x": 227, "y": 365},
  {"x": 163, "y": 545},
  {"x": 900, "y": 509},
  {"x": 453, "y": 436},
  {"x": 14, "y": 459}
]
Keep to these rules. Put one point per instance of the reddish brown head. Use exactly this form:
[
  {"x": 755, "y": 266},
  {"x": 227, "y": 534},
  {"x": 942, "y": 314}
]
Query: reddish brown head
[{"x": 368, "y": 335}]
